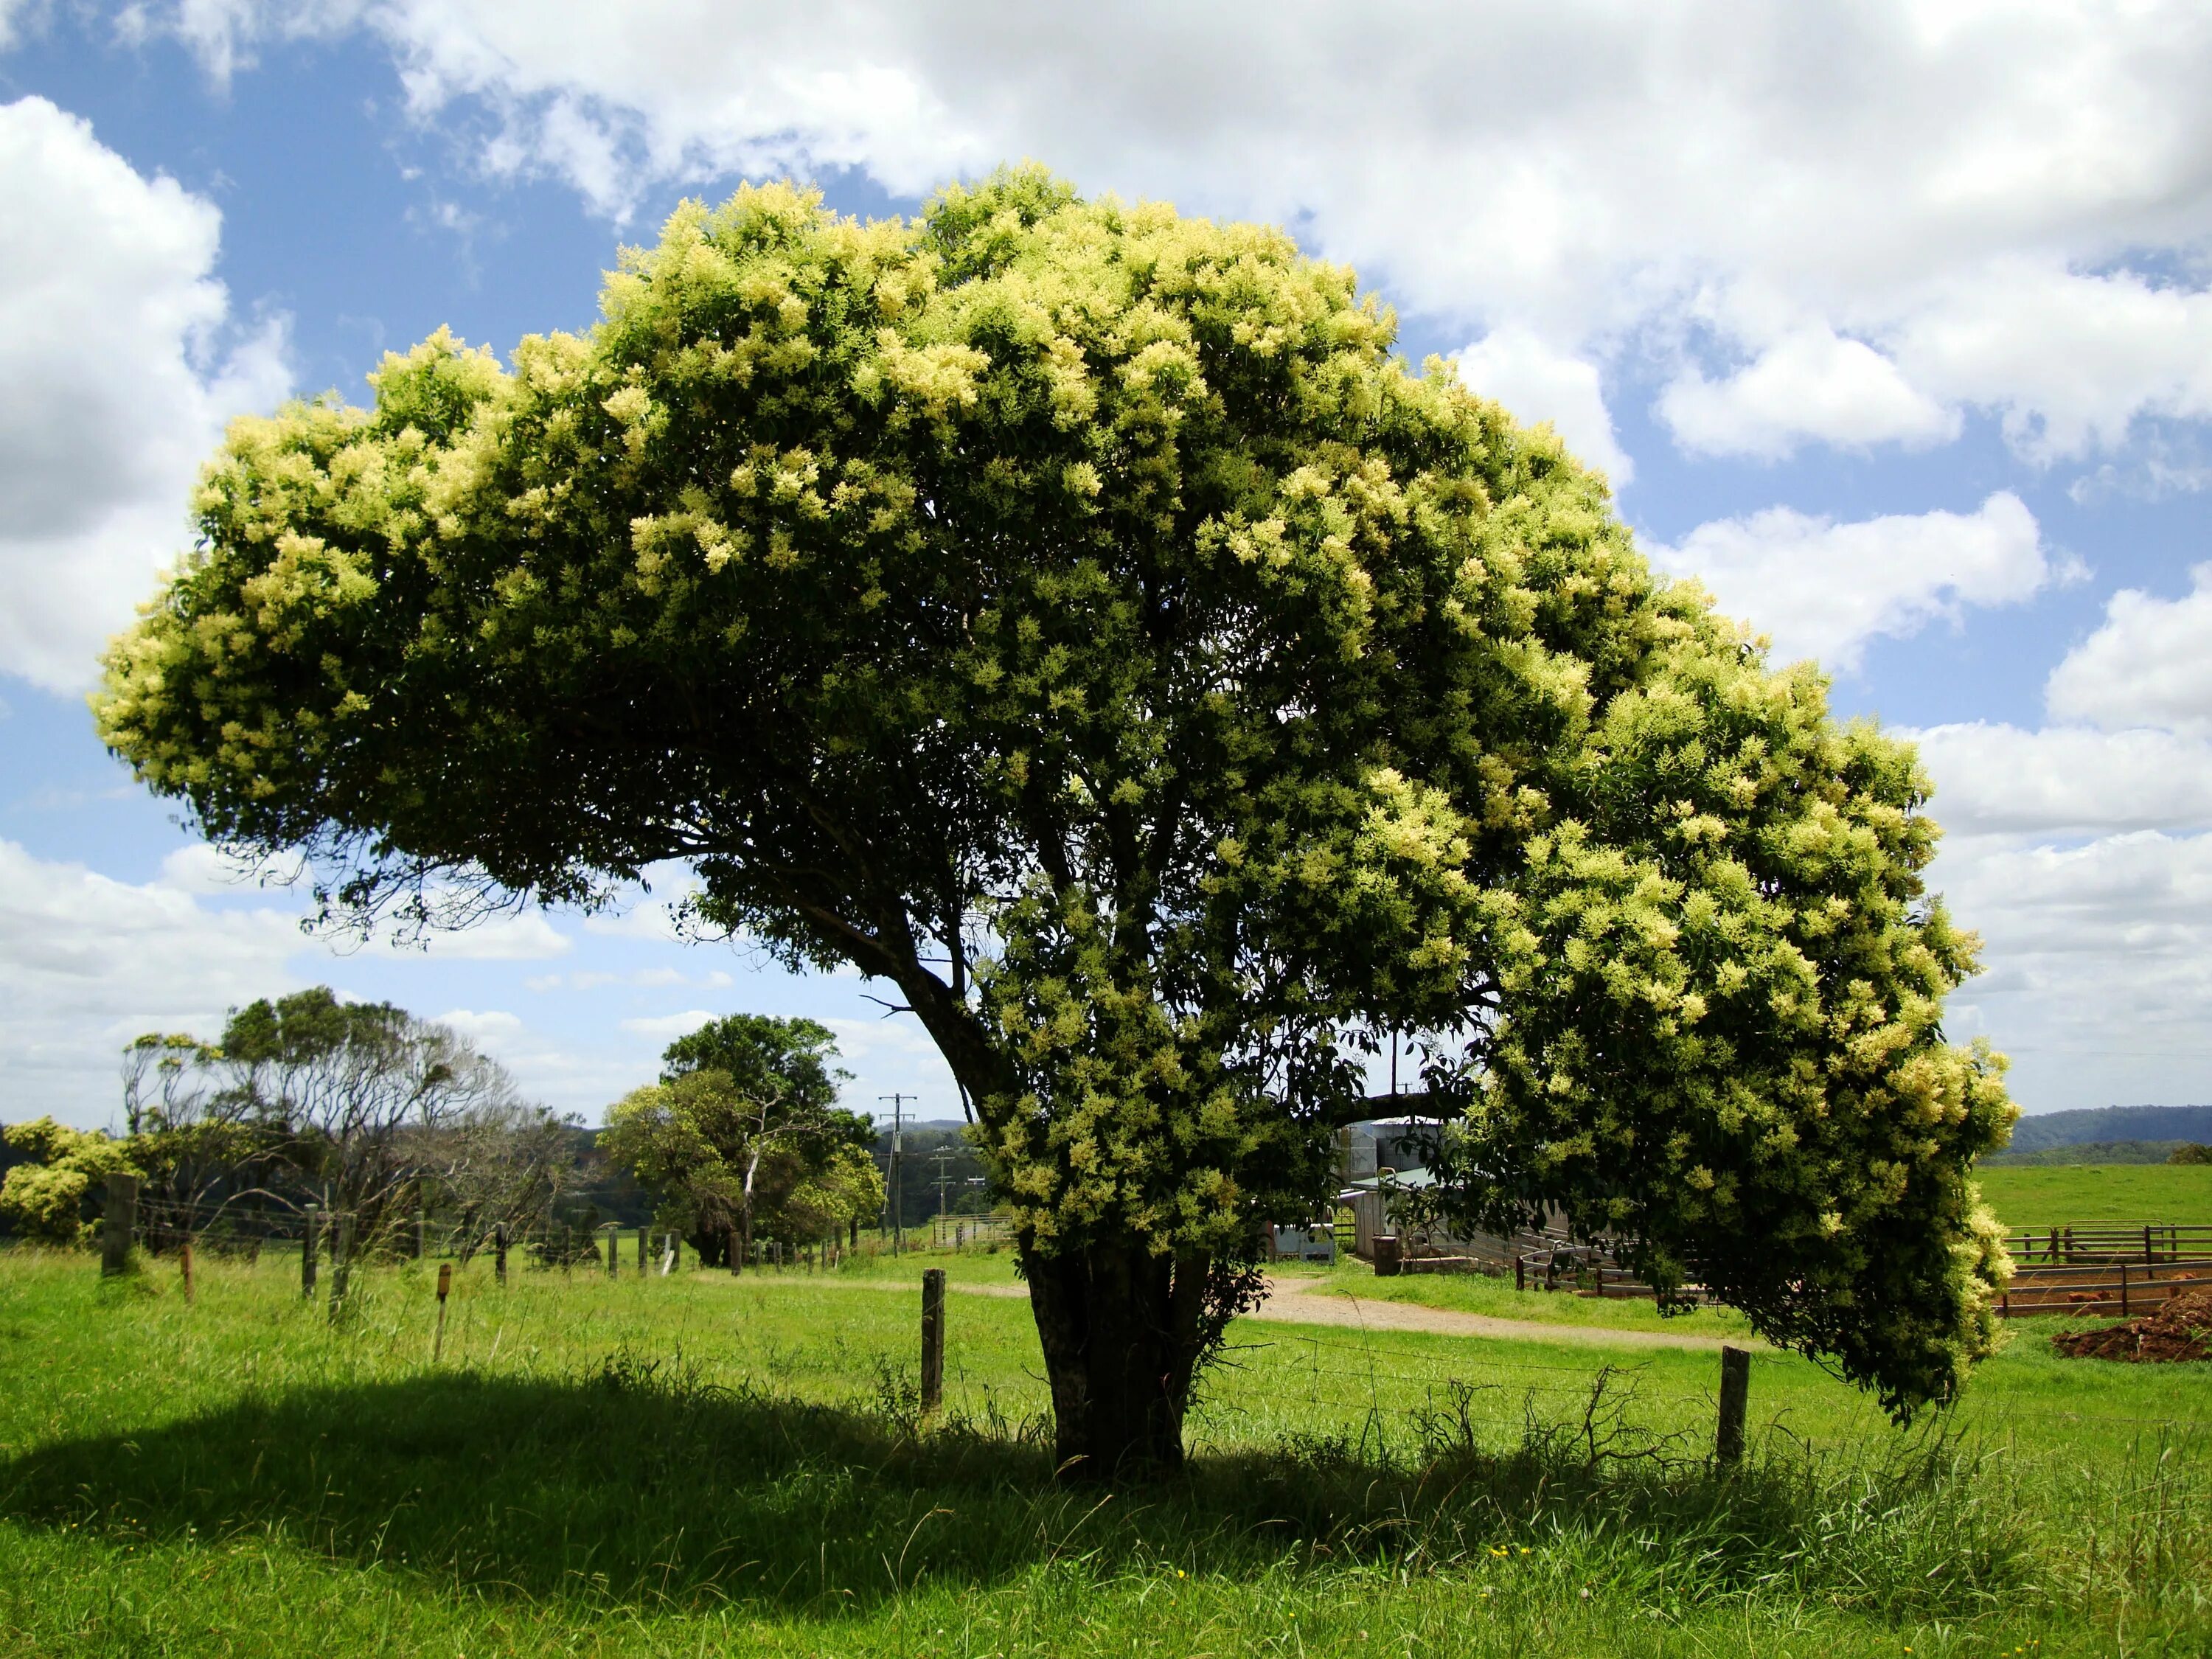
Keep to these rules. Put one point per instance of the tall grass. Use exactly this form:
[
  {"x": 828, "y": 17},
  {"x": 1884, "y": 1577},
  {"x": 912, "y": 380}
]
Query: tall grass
[{"x": 691, "y": 1466}]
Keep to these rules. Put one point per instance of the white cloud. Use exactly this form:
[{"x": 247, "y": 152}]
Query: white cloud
[
  {"x": 1810, "y": 385},
  {"x": 513, "y": 936},
  {"x": 1540, "y": 383},
  {"x": 484, "y": 1027},
  {"x": 110, "y": 331},
  {"x": 2072, "y": 854},
  {"x": 2071, "y": 361},
  {"x": 2150, "y": 663},
  {"x": 14, "y": 13},
  {"x": 2100, "y": 960},
  {"x": 1823, "y": 589},
  {"x": 524, "y": 936},
  {"x": 666, "y": 1028},
  {"x": 202, "y": 867},
  {"x": 1894, "y": 209},
  {"x": 2064, "y": 780},
  {"x": 87, "y": 962},
  {"x": 644, "y": 979}
]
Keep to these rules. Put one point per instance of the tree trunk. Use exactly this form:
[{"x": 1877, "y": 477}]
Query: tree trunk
[{"x": 1120, "y": 1329}]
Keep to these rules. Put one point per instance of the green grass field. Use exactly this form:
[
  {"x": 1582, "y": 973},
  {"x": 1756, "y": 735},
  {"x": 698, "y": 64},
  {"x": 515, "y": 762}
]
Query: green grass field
[
  {"x": 2029, "y": 1196},
  {"x": 699, "y": 1467}
]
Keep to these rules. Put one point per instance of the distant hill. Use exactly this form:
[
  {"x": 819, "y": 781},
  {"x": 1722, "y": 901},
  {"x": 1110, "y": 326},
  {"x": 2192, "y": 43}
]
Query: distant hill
[
  {"x": 2090, "y": 1152},
  {"x": 2111, "y": 1123}
]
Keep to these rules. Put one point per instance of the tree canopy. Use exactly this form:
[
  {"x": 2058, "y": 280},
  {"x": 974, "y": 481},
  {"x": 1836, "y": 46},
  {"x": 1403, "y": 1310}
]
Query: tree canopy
[
  {"x": 742, "y": 1135},
  {"x": 1073, "y": 613}
]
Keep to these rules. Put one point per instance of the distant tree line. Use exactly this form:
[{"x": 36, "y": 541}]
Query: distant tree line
[
  {"x": 356, "y": 1107},
  {"x": 2102, "y": 1152}
]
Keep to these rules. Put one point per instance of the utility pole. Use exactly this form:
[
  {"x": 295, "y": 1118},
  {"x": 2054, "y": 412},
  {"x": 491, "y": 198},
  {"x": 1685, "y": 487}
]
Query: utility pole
[
  {"x": 898, "y": 1218},
  {"x": 942, "y": 1180}
]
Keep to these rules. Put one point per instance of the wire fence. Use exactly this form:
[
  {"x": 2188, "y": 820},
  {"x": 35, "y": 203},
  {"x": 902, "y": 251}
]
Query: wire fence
[{"x": 1354, "y": 1373}]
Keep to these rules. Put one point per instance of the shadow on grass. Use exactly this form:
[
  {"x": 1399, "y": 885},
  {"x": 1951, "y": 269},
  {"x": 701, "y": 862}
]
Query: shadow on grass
[{"x": 642, "y": 1486}]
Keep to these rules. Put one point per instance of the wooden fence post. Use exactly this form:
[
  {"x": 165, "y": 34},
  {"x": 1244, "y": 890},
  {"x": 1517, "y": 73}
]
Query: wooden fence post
[
  {"x": 933, "y": 1338},
  {"x": 1735, "y": 1393},
  {"x": 421, "y": 1240},
  {"x": 341, "y": 1260},
  {"x": 2123, "y": 1290},
  {"x": 184, "y": 1263},
  {"x": 736, "y": 1248},
  {"x": 117, "y": 1219},
  {"x": 310, "y": 1218},
  {"x": 642, "y": 1249},
  {"x": 499, "y": 1252},
  {"x": 445, "y": 1285},
  {"x": 614, "y": 1252}
]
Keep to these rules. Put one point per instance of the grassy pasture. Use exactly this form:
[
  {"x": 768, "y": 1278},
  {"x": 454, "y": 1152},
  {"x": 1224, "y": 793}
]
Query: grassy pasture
[
  {"x": 697, "y": 1466},
  {"x": 2051, "y": 1195}
]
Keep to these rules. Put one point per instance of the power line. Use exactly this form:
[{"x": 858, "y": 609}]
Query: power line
[{"x": 898, "y": 1210}]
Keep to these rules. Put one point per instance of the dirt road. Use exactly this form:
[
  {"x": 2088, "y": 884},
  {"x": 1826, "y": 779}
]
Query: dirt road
[{"x": 1309, "y": 1302}]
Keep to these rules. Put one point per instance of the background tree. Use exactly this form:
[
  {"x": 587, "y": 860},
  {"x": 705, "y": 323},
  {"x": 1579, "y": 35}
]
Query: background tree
[
  {"x": 833, "y": 1198},
  {"x": 195, "y": 1137},
  {"x": 1074, "y": 614},
  {"x": 497, "y": 1161},
  {"x": 743, "y": 1136},
  {"x": 46, "y": 1198},
  {"x": 376, "y": 1112}
]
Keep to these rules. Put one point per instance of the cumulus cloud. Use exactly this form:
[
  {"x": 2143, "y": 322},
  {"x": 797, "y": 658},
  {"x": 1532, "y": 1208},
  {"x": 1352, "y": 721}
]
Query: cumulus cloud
[
  {"x": 112, "y": 348},
  {"x": 645, "y": 979},
  {"x": 1823, "y": 589},
  {"x": 2082, "y": 853},
  {"x": 87, "y": 962},
  {"x": 666, "y": 1028},
  {"x": 2071, "y": 361},
  {"x": 515, "y": 936},
  {"x": 1995, "y": 778},
  {"x": 2149, "y": 664},
  {"x": 1812, "y": 384},
  {"x": 1875, "y": 214},
  {"x": 2100, "y": 958},
  {"x": 483, "y": 1027},
  {"x": 1540, "y": 383}
]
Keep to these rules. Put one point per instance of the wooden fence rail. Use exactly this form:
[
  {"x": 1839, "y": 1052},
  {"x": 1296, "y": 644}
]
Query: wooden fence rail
[
  {"x": 2099, "y": 1242},
  {"x": 2122, "y": 1288}
]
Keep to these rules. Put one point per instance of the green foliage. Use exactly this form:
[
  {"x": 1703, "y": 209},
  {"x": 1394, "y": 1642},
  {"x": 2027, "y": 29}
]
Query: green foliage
[
  {"x": 307, "y": 1028},
  {"x": 788, "y": 1061},
  {"x": 743, "y": 1132},
  {"x": 44, "y": 1198},
  {"x": 2190, "y": 1153},
  {"x": 42, "y": 1202},
  {"x": 1073, "y": 613}
]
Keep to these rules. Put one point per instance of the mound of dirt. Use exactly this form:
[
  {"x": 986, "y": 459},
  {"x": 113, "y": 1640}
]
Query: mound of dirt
[{"x": 2182, "y": 1329}]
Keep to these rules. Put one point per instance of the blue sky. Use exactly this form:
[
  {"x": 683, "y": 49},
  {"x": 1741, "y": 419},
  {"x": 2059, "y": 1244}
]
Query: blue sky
[{"x": 1890, "y": 323}]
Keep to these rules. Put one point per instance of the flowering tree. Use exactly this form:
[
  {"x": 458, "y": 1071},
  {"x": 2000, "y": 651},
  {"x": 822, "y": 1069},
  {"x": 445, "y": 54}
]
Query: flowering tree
[
  {"x": 1072, "y": 614},
  {"x": 44, "y": 1197}
]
